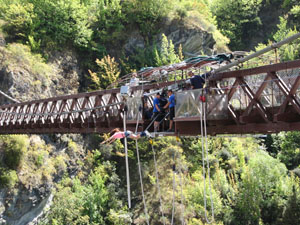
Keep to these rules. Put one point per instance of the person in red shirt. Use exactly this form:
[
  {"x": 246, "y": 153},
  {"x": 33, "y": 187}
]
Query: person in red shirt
[{"x": 118, "y": 134}]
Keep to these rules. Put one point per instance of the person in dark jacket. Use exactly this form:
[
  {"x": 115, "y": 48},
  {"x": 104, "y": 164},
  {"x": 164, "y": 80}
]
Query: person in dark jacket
[{"x": 196, "y": 81}]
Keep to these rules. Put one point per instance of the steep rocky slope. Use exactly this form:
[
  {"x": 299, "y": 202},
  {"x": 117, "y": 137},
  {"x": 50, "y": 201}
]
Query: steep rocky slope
[{"x": 25, "y": 76}]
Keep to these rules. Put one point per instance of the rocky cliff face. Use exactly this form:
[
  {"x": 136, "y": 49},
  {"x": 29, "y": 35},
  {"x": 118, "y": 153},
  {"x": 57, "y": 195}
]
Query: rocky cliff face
[
  {"x": 25, "y": 76},
  {"x": 46, "y": 159},
  {"x": 189, "y": 33}
]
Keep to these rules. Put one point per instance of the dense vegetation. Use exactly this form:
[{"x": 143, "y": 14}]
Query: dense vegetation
[
  {"x": 249, "y": 186},
  {"x": 253, "y": 181},
  {"x": 248, "y": 22}
]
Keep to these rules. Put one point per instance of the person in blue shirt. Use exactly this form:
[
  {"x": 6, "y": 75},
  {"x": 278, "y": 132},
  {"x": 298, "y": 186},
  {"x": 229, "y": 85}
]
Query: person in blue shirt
[
  {"x": 156, "y": 112},
  {"x": 197, "y": 81},
  {"x": 171, "y": 105}
]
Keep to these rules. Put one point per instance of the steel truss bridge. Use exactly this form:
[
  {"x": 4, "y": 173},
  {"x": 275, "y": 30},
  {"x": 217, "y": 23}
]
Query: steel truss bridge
[{"x": 264, "y": 99}]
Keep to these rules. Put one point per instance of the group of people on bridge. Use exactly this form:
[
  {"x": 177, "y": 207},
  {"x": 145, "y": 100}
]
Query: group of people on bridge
[
  {"x": 162, "y": 108},
  {"x": 159, "y": 106}
]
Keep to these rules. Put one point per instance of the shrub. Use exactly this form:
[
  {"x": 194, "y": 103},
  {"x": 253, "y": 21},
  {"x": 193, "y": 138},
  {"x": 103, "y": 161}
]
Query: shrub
[
  {"x": 8, "y": 178},
  {"x": 108, "y": 72},
  {"x": 20, "y": 20},
  {"x": 60, "y": 165},
  {"x": 72, "y": 146},
  {"x": 290, "y": 151},
  {"x": 20, "y": 55},
  {"x": 14, "y": 149}
]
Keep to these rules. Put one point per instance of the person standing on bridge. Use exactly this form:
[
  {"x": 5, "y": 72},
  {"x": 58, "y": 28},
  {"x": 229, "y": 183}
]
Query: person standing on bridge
[
  {"x": 196, "y": 81},
  {"x": 134, "y": 81},
  {"x": 118, "y": 134},
  {"x": 156, "y": 112},
  {"x": 171, "y": 105}
]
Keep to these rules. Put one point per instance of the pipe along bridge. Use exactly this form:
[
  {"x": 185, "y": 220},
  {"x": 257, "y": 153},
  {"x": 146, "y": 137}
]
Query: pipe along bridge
[{"x": 264, "y": 99}]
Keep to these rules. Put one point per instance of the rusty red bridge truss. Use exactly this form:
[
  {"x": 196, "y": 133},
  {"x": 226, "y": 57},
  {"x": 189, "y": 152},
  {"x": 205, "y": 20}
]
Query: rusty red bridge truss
[{"x": 259, "y": 100}]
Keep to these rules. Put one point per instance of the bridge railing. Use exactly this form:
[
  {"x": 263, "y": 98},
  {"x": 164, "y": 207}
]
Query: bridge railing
[
  {"x": 188, "y": 104},
  {"x": 98, "y": 111},
  {"x": 265, "y": 99}
]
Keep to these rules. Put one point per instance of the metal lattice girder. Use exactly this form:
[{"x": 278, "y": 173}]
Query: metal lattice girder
[
  {"x": 98, "y": 111},
  {"x": 254, "y": 100},
  {"x": 288, "y": 92},
  {"x": 265, "y": 104}
]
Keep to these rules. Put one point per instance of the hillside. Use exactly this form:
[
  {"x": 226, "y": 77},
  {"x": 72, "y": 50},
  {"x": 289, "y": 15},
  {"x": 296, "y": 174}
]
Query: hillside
[{"x": 56, "y": 47}]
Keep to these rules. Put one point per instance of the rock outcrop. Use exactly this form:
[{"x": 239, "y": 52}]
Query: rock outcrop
[
  {"x": 188, "y": 33},
  {"x": 46, "y": 160},
  {"x": 25, "y": 76}
]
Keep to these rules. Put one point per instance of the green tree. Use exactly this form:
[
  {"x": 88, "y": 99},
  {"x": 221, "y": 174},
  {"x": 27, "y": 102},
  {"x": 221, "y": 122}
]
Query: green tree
[
  {"x": 48, "y": 23},
  {"x": 238, "y": 20},
  {"x": 290, "y": 150},
  {"x": 93, "y": 201},
  {"x": 291, "y": 50},
  {"x": 108, "y": 73},
  {"x": 147, "y": 14},
  {"x": 107, "y": 20},
  {"x": 20, "y": 19},
  {"x": 262, "y": 191},
  {"x": 62, "y": 21},
  {"x": 14, "y": 150},
  {"x": 291, "y": 213},
  {"x": 166, "y": 54}
]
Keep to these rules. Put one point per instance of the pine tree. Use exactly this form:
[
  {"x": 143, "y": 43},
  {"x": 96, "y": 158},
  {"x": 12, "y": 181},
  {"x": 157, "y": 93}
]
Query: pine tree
[{"x": 166, "y": 55}]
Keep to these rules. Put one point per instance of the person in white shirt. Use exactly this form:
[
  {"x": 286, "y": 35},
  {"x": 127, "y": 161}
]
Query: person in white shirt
[{"x": 134, "y": 81}]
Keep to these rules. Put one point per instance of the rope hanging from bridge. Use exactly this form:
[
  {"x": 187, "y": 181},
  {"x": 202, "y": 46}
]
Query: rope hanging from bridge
[
  {"x": 181, "y": 194},
  {"x": 140, "y": 170},
  {"x": 157, "y": 182},
  {"x": 205, "y": 154},
  {"x": 174, "y": 188},
  {"x": 181, "y": 191}
]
